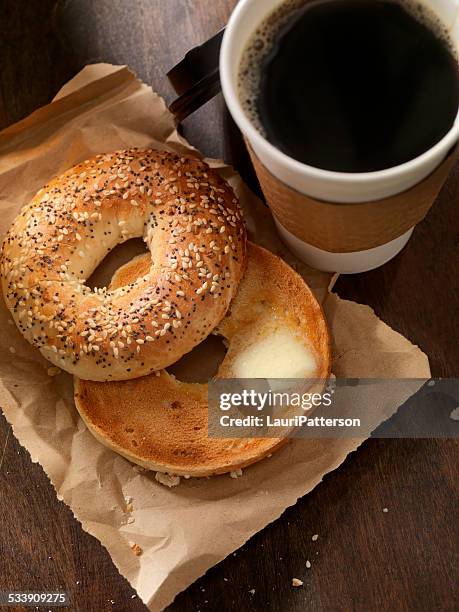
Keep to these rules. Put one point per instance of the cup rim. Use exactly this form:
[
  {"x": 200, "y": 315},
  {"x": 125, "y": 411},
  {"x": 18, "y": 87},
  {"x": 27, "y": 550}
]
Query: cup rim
[{"x": 245, "y": 125}]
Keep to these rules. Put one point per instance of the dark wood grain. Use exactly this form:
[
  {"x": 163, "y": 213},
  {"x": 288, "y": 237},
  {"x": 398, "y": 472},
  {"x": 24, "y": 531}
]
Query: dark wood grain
[{"x": 364, "y": 559}]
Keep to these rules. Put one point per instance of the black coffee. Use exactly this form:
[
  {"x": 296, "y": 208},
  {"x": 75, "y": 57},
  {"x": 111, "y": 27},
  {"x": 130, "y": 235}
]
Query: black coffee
[{"x": 351, "y": 85}]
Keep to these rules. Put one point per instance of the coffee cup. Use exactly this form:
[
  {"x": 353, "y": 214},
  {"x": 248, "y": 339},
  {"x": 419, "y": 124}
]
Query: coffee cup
[{"x": 345, "y": 222}]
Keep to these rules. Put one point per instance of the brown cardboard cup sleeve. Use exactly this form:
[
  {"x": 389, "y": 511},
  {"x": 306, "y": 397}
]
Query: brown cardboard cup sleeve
[{"x": 346, "y": 228}]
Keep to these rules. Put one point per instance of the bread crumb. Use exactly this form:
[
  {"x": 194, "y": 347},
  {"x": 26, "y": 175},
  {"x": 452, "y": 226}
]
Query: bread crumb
[
  {"x": 136, "y": 549},
  {"x": 315, "y": 537},
  {"x": 252, "y": 591},
  {"x": 168, "y": 480},
  {"x": 12, "y": 349},
  {"x": 236, "y": 474},
  {"x": 454, "y": 415},
  {"x": 308, "y": 564},
  {"x": 128, "y": 501},
  {"x": 385, "y": 509},
  {"x": 53, "y": 371},
  {"x": 296, "y": 582}
]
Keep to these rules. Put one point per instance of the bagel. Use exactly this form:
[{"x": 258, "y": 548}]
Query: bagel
[
  {"x": 190, "y": 219},
  {"x": 161, "y": 423}
]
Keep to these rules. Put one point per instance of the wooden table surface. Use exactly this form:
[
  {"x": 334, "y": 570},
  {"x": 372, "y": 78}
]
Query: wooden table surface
[{"x": 364, "y": 559}]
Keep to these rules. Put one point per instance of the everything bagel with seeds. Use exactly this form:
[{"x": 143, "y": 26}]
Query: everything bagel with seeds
[{"x": 191, "y": 222}]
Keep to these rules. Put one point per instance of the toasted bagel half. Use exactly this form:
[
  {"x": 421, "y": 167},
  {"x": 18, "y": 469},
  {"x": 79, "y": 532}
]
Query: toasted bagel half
[{"x": 275, "y": 329}]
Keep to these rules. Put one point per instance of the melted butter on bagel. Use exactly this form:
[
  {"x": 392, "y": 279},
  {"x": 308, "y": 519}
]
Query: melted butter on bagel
[
  {"x": 279, "y": 354},
  {"x": 191, "y": 222},
  {"x": 161, "y": 423}
]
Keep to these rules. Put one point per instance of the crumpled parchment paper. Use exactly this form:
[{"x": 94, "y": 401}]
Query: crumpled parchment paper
[{"x": 179, "y": 529}]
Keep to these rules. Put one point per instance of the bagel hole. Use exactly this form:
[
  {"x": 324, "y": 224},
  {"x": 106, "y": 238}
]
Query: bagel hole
[
  {"x": 120, "y": 255},
  {"x": 202, "y": 363}
]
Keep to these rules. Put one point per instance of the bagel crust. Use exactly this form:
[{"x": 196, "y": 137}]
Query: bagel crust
[{"x": 190, "y": 220}]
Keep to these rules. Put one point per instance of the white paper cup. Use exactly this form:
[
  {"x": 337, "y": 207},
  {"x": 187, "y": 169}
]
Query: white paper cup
[{"x": 324, "y": 184}]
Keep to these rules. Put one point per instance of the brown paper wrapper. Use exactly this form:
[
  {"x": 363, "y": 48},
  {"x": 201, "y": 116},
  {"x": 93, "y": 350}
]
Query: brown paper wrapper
[
  {"x": 179, "y": 529},
  {"x": 345, "y": 228}
]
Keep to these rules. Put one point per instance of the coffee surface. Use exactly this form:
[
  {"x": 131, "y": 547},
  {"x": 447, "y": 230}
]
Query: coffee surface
[{"x": 351, "y": 85}]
